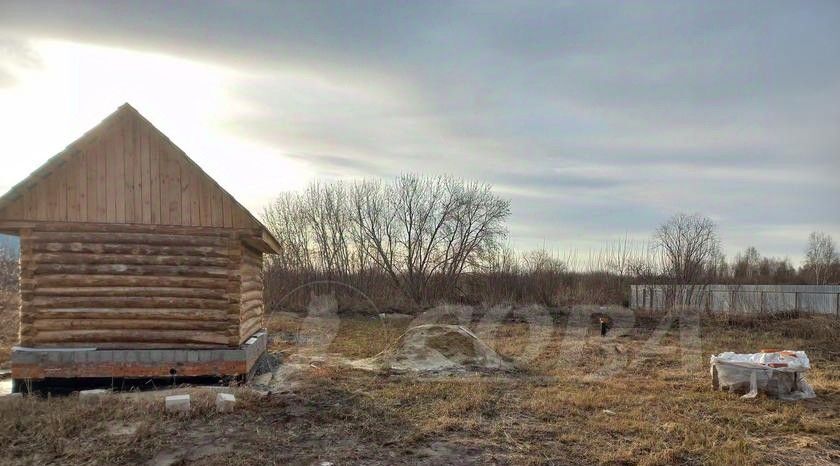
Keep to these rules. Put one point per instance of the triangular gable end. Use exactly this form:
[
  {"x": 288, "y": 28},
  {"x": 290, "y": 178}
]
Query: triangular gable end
[{"x": 125, "y": 171}]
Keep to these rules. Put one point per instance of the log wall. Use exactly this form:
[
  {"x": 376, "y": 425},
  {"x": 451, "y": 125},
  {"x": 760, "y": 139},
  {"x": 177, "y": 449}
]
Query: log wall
[
  {"x": 251, "y": 294},
  {"x": 134, "y": 286}
]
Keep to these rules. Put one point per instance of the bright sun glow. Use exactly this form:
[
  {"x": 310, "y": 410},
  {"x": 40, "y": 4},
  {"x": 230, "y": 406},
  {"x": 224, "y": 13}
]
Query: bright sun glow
[{"x": 75, "y": 86}]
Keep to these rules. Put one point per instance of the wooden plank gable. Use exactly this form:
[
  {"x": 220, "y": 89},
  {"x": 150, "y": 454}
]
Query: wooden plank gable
[{"x": 124, "y": 171}]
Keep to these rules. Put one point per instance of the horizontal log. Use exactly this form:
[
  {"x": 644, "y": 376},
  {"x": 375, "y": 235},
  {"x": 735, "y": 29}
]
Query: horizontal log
[
  {"x": 132, "y": 248},
  {"x": 252, "y": 261},
  {"x": 27, "y": 329},
  {"x": 248, "y": 333},
  {"x": 254, "y": 313},
  {"x": 25, "y": 310},
  {"x": 251, "y": 285},
  {"x": 248, "y": 329},
  {"x": 261, "y": 244},
  {"x": 251, "y": 268},
  {"x": 121, "y": 237},
  {"x": 250, "y": 252},
  {"x": 131, "y": 259},
  {"x": 50, "y": 302},
  {"x": 122, "y": 269},
  {"x": 250, "y": 320},
  {"x": 252, "y": 309},
  {"x": 65, "y": 280},
  {"x": 252, "y": 279},
  {"x": 130, "y": 336},
  {"x": 137, "y": 228},
  {"x": 133, "y": 291},
  {"x": 129, "y": 324},
  {"x": 131, "y": 313},
  {"x": 129, "y": 345},
  {"x": 248, "y": 306},
  {"x": 251, "y": 295},
  {"x": 27, "y": 318}
]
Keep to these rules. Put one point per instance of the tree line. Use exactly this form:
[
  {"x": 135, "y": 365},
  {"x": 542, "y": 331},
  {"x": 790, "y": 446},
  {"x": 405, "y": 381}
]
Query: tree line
[
  {"x": 691, "y": 248},
  {"x": 417, "y": 240},
  {"x": 9, "y": 275},
  {"x": 416, "y": 233}
]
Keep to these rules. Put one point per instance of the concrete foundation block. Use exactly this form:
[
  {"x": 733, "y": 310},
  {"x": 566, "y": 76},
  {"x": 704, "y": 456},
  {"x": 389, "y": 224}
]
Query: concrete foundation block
[
  {"x": 225, "y": 402},
  {"x": 92, "y": 395},
  {"x": 79, "y": 363},
  {"x": 178, "y": 404}
]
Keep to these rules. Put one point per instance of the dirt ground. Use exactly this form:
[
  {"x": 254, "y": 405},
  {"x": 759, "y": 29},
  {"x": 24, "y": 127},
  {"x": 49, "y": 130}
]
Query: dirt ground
[{"x": 575, "y": 398}]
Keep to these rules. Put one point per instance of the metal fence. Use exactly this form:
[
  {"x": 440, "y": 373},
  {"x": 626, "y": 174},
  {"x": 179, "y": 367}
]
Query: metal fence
[{"x": 816, "y": 299}]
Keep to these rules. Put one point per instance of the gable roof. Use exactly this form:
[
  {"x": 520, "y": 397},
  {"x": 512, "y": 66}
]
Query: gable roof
[{"x": 126, "y": 171}]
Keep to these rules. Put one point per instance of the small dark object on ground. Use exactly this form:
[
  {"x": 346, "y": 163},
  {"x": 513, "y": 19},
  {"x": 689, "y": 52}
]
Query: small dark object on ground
[{"x": 604, "y": 326}]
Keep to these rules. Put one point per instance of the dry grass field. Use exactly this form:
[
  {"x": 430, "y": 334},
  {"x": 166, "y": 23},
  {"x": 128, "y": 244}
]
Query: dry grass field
[{"x": 650, "y": 410}]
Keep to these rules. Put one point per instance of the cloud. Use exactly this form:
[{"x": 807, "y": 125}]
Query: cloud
[
  {"x": 606, "y": 117},
  {"x": 15, "y": 54}
]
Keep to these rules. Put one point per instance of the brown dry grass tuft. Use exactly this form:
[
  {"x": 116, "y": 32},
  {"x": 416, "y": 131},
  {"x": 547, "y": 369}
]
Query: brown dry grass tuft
[{"x": 115, "y": 429}]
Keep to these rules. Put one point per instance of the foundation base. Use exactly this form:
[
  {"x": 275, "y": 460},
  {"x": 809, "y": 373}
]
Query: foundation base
[{"x": 76, "y": 363}]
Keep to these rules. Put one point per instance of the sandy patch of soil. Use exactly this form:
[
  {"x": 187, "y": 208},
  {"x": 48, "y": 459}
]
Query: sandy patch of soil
[{"x": 436, "y": 348}]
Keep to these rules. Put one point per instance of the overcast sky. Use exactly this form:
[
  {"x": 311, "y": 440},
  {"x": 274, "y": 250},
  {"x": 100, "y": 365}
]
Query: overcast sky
[{"x": 598, "y": 120}]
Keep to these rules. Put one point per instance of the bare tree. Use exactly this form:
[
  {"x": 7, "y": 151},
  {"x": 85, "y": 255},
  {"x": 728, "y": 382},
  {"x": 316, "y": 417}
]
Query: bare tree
[
  {"x": 9, "y": 273},
  {"x": 287, "y": 219},
  {"x": 821, "y": 257},
  {"x": 689, "y": 245},
  {"x": 413, "y": 230},
  {"x": 417, "y": 228},
  {"x": 746, "y": 266},
  {"x": 328, "y": 216},
  {"x": 545, "y": 274}
]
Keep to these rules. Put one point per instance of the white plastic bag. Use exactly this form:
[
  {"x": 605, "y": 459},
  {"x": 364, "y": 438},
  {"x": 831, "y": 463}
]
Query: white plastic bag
[{"x": 780, "y": 374}]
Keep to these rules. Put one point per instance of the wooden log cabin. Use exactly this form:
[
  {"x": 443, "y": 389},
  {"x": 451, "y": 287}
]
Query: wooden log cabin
[{"x": 134, "y": 262}]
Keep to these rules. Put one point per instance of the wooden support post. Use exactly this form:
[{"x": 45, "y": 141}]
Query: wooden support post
[
  {"x": 796, "y": 301},
  {"x": 761, "y": 301}
]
